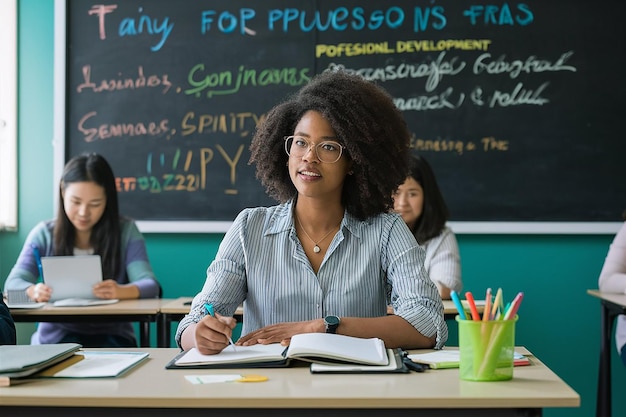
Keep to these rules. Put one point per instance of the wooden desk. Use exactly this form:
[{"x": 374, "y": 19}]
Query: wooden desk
[
  {"x": 151, "y": 391},
  {"x": 144, "y": 311},
  {"x": 612, "y": 306},
  {"x": 174, "y": 310}
]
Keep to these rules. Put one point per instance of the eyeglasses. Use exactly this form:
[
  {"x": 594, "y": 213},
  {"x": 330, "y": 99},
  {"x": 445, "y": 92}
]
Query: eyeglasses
[{"x": 328, "y": 151}]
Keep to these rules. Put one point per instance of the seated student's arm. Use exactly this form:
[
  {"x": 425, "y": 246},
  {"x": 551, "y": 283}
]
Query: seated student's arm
[
  {"x": 25, "y": 273},
  {"x": 395, "y": 331},
  {"x": 414, "y": 296},
  {"x": 225, "y": 287},
  {"x": 142, "y": 282},
  {"x": 613, "y": 275},
  {"x": 444, "y": 268}
]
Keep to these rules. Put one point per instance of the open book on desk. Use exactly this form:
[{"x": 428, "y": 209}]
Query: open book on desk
[{"x": 310, "y": 347}]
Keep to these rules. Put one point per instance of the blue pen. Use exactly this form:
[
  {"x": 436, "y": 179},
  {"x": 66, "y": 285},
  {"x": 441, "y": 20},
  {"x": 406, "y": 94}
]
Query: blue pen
[
  {"x": 37, "y": 259},
  {"x": 457, "y": 303},
  {"x": 211, "y": 311}
]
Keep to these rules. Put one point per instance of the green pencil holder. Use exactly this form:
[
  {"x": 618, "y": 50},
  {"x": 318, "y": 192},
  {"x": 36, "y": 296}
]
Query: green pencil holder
[{"x": 486, "y": 349}]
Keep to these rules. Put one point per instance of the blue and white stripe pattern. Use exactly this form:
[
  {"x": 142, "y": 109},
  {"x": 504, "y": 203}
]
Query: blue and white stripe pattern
[{"x": 262, "y": 264}]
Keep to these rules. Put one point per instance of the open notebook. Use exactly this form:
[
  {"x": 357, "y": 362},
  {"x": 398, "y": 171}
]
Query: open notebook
[
  {"x": 339, "y": 354},
  {"x": 72, "y": 279}
]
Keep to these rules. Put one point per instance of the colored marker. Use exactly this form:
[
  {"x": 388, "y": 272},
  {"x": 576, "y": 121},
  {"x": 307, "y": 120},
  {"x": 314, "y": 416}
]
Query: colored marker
[
  {"x": 496, "y": 304},
  {"x": 502, "y": 313},
  {"x": 512, "y": 311},
  {"x": 487, "y": 310},
  {"x": 211, "y": 311},
  {"x": 457, "y": 303},
  {"x": 37, "y": 259},
  {"x": 472, "y": 305}
]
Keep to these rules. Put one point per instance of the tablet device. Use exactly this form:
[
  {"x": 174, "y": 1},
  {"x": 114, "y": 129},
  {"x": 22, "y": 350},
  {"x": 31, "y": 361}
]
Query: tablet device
[{"x": 71, "y": 276}]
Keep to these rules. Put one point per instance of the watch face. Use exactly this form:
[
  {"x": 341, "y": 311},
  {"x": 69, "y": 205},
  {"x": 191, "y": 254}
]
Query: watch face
[{"x": 331, "y": 320}]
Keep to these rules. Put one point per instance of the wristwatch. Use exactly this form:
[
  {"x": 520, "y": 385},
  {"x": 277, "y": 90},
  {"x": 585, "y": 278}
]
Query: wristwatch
[{"x": 331, "y": 323}]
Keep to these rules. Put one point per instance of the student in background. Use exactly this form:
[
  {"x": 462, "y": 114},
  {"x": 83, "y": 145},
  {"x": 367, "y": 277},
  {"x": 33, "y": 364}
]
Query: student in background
[
  {"x": 330, "y": 255},
  {"x": 613, "y": 279},
  {"x": 88, "y": 222},
  {"x": 7, "y": 325},
  {"x": 422, "y": 207}
]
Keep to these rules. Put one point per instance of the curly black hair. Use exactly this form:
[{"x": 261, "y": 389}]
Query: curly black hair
[{"x": 366, "y": 122}]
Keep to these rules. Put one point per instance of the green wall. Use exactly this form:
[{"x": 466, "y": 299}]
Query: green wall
[{"x": 558, "y": 321}]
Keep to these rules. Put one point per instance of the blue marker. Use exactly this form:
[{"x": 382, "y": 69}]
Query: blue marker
[
  {"x": 457, "y": 303},
  {"x": 37, "y": 259},
  {"x": 211, "y": 311}
]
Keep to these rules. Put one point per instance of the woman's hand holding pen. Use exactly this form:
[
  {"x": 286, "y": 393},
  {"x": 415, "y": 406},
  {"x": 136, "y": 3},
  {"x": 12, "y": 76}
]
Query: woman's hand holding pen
[
  {"x": 213, "y": 334},
  {"x": 40, "y": 293}
]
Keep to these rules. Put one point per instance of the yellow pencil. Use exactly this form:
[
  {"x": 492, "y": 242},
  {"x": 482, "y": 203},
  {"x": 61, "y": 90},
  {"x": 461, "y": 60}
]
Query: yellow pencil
[
  {"x": 487, "y": 310},
  {"x": 496, "y": 303}
]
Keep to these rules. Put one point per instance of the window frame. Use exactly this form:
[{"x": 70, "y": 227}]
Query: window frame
[{"x": 8, "y": 116}]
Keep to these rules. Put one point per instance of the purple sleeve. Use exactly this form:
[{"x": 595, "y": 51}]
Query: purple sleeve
[{"x": 138, "y": 269}]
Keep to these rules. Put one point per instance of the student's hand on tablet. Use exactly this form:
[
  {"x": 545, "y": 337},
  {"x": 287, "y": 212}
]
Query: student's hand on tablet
[
  {"x": 107, "y": 289},
  {"x": 110, "y": 289},
  {"x": 39, "y": 293}
]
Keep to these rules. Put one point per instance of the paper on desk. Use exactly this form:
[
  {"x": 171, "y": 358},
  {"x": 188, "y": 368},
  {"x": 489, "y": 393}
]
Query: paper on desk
[
  {"x": 441, "y": 359},
  {"x": 212, "y": 379},
  {"x": 96, "y": 364},
  {"x": 83, "y": 302},
  {"x": 25, "y": 305}
]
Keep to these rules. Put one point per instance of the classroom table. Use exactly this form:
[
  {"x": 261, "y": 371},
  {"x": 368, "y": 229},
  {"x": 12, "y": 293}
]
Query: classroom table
[
  {"x": 174, "y": 310},
  {"x": 144, "y": 311},
  {"x": 149, "y": 390},
  {"x": 612, "y": 305}
]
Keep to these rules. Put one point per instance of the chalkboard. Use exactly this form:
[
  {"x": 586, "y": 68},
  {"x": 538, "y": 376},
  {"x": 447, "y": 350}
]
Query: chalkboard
[{"x": 517, "y": 105}]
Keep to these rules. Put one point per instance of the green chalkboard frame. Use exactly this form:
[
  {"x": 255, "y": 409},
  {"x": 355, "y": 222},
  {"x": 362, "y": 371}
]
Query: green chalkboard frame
[{"x": 461, "y": 178}]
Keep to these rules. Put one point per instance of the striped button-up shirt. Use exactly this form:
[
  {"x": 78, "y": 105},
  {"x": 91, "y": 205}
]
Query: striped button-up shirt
[{"x": 261, "y": 263}]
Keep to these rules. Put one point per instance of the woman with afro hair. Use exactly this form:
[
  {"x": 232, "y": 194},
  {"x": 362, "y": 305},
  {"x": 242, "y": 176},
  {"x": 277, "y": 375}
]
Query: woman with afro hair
[{"x": 331, "y": 254}]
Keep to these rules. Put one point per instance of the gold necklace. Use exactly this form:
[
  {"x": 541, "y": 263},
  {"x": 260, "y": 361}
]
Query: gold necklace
[{"x": 316, "y": 248}]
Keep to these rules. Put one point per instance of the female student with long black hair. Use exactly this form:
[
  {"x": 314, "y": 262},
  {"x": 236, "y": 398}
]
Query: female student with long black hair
[
  {"x": 421, "y": 204},
  {"x": 88, "y": 222}
]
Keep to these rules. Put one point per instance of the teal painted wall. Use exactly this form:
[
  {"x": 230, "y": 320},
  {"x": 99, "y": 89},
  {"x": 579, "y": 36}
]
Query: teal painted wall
[{"x": 558, "y": 321}]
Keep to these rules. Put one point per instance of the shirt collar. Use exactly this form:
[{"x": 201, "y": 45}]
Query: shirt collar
[{"x": 282, "y": 221}]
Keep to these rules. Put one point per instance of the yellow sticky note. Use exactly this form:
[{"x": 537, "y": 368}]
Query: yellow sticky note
[{"x": 252, "y": 378}]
